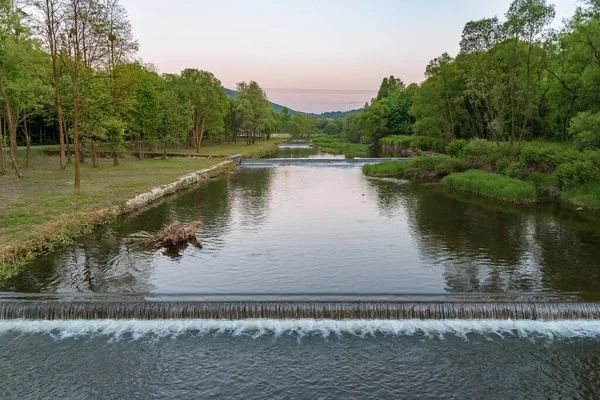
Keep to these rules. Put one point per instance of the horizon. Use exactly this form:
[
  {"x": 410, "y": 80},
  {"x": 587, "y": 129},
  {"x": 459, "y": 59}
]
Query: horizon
[{"x": 308, "y": 56}]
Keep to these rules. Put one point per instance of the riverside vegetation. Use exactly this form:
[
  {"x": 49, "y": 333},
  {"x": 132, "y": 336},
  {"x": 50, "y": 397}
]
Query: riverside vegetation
[
  {"x": 519, "y": 101},
  {"x": 553, "y": 168}
]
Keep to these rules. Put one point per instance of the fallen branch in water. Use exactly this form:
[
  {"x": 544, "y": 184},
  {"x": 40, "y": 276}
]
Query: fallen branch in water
[{"x": 174, "y": 234}]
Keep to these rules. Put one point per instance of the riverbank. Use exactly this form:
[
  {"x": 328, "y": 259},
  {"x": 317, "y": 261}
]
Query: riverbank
[
  {"x": 39, "y": 213},
  {"x": 336, "y": 145},
  {"x": 554, "y": 169}
]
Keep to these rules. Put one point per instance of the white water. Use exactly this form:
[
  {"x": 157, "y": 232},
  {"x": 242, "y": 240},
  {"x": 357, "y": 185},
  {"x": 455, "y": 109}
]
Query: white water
[{"x": 255, "y": 328}]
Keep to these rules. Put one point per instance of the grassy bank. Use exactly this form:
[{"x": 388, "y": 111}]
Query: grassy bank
[
  {"x": 417, "y": 168},
  {"x": 586, "y": 195},
  {"x": 336, "y": 145},
  {"x": 554, "y": 168},
  {"x": 39, "y": 212},
  {"x": 492, "y": 185}
]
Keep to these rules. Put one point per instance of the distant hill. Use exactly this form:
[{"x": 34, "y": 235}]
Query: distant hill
[
  {"x": 277, "y": 107},
  {"x": 341, "y": 114},
  {"x": 329, "y": 115}
]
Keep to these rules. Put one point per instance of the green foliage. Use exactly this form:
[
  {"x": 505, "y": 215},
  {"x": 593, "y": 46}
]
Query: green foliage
[
  {"x": 492, "y": 185},
  {"x": 550, "y": 155},
  {"x": 417, "y": 167},
  {"x": 302, "y": 127},
  {"x": 542, "y": 181},
  {"x": 585, "y": 128},
  {"x": 253, "y": 111},
  {"x": 339, "y": 146},
  {"x": 574, "y": 173},
  {"x": 584, "y": 195},
  {"x": 417, "y": 143},
  {"x": 456, "y": 147},
  {"x": 480, "y": 149}
]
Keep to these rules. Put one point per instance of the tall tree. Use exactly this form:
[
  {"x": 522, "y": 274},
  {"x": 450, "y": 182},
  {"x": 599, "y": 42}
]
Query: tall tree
[
  {"x": 207, "y": 96},
  {"x": 253, "y": 110}
]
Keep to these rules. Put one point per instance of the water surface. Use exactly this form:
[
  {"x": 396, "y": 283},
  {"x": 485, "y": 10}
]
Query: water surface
[{"x": 310, "y": 230}]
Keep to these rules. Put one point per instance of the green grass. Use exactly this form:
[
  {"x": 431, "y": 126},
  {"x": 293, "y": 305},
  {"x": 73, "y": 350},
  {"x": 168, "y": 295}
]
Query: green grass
[
  {"x": 586, "y": 195},
  {"x": 45, "y": 194},
  {"x": 339, "y": 146},
  {"x": 416, "y": 168},
  {"x": 491, "y": 185}
]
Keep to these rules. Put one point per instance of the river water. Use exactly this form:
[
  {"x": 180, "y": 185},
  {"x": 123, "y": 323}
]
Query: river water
[{"x": 308, "y": 233}]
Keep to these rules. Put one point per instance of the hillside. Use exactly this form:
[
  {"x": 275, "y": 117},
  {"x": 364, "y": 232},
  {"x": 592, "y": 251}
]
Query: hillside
[{"x": 278, "y": 108}]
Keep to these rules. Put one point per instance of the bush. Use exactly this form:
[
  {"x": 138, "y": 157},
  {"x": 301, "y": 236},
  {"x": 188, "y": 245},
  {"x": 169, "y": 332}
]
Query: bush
[
  {"x": 542, "y": 181},
  {"x": 417, "y": 143},
  {"x": 455, "y": 148},
  {"x": 576, "y": 173},
  {"x": 337, "y": 145},
  {"x": 547, "y": 156},
  {"x": 585, "y": 128},
  {"x": 585, "y": 195},
  {"x": 516, "y": 170},
  {"x": 492, "y": 185},
  {"x": 483, "y": 150},
  {"x": 417, "y": 167}
]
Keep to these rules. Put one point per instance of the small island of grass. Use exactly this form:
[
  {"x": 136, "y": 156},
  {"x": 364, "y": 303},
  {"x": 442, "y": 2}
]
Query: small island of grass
[{"x": 491, "y": 185}]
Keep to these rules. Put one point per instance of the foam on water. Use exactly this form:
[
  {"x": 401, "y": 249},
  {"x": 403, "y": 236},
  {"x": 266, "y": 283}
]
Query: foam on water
[{"x": 255, "y": 328}]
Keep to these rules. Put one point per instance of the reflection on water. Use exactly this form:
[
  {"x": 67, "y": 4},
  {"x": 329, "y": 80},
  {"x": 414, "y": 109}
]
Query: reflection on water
[
  {"x": 330, "y": 230},
  {"x": 301, "y": 152}
]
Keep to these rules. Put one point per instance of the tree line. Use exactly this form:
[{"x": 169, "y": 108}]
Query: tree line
[
  {"x": 514, "y": 79},
  {"x": 68, "y": 72}
]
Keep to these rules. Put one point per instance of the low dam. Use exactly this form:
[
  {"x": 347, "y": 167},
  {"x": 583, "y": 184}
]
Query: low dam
[
  {"x": 297, "y": 310},
  {"x": 317, "y": 161}
]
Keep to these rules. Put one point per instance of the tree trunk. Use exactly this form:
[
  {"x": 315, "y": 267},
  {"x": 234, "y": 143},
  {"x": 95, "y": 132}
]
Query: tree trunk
[
  {"x": 94, "y": 154},
  {"x": 28, "y": 143},
  {"x": 115, "y": 159},
  {"x": 66, "y": 133},
  {"x": 3, "y": 169},
  {"x": 12, "y": 131},
  {"x": 77, "y": 186},
  {"x": 201, "y": 135}
]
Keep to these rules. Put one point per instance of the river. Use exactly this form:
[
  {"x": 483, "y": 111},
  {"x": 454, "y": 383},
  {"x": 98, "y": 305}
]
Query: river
[{"x": 296, "y": 232}]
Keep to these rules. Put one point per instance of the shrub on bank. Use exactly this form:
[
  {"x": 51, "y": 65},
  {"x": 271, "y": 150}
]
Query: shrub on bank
[
  {"x": 585, "y": 195},
  {"x": 339, "y": 146},
  {"x": 492, "y": 185},
  {"x": 416, "y": 143},
  {"x": 456, "y": 147},
  {"x": 417, "y": 167},
  {"x": 575, "y": 173}
]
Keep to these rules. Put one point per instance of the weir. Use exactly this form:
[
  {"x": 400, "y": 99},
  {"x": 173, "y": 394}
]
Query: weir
[
  {"x": 317, "y": 161},
  {"x": 281, "y": 310}
]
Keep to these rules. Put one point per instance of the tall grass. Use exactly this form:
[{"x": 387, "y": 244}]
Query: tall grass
[
  {"x": 491, "y": 185},
  {"x": 417, "y": 167},
  {"x": 337, "y": 145},
  {"x": 585, "y": 195}
]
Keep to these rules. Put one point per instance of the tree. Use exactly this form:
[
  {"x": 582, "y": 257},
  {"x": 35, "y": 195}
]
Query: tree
[
  {"x": 253, "y": 110},
  {"x": 209, "y": 100},
  {"x": 20, "y": 84},
  {"x": 526, "y": 21},
  {"x": 284, "y": 119},
  {"x": 177, "y": 117},
  {"x": 50, "y": 14}
]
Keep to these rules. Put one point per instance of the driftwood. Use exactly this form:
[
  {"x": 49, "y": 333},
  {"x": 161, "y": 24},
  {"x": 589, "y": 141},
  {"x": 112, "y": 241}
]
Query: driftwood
[{"x": 171, "y": 235}]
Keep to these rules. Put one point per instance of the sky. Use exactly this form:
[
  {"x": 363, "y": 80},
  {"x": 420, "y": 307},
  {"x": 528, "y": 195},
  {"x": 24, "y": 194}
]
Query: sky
[{"x": 310, "y": 55}]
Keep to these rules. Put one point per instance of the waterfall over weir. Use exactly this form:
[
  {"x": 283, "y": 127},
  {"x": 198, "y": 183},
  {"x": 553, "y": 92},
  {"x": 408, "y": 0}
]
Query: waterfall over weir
[{"x": 275, "y": 310}]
